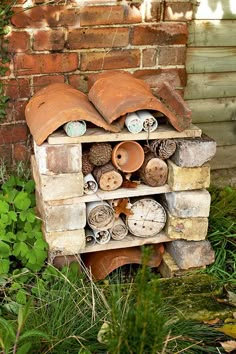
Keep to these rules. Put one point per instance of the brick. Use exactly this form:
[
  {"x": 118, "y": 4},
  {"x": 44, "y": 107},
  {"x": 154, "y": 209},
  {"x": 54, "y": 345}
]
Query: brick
[
  {"x": 6, "y": 155},
  {"x": 152, "y": 10},
  {"x": 149, "y": 57},
  {"x": 175, "y": 77},
  {"x": 57, "y": 159},
  {"x": 74, "y": 80},
  {"x": 108, "y": 37},
  {"x": 65, "y": 243},
  {"x": 172, "y": 55},
  {"x": 191, "y": 254},
  {"x": 114, "y": 59},
  {"x": 13, "y": 133},
  {"x": 168, "y": 268},
  {"x": 16, "y": 88},
  {"x": 61, "y": 217},
  {"x": 191, "y": 229},
  {"x": 178, "y": 11},
  {"x": 160, "y": 34},
  {"x": 18, "y": 42},
  {"x": 53, "y": 39},
  {"x": 45, "y": 16},
  {"x": 21, "y": 152},
  {"x": 56, "y": 187},
  {"x": 45, "y": 63},
  {"x": 188, "y": 178},
  {"x": 188, "y": 203},
  {"x": 194, "y": 152},
  {"x": 45, "y": 80},
  {"x": 109, "y": 15}
]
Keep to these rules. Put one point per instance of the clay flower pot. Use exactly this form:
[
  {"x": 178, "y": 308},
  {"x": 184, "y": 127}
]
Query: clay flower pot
[{"x": 128, "y": 156}]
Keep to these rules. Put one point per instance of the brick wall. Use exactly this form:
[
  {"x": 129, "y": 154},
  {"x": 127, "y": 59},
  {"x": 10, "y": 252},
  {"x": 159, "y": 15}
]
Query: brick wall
[{"x": 66, "y": 41}]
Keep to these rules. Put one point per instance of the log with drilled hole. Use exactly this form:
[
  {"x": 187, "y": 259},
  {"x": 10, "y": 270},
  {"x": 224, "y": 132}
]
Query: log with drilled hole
[
  {"x": 154, "y": 171},
  {"x": 108, "y": 177}
]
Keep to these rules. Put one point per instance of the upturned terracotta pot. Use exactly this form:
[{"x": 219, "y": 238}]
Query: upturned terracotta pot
[
  {"x": 128, "y": 156},
  {"x": 104, "y": 262}
]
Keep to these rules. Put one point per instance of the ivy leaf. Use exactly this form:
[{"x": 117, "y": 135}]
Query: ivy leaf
[
  {"x": 10, "y": 236},
  {"x": 5, "y": 250},
  {"x": 21, "y": 297},
  {"x": 12, "y": 215},
  {"x": 22, "y": 201},
  {"x": 21, "y": 236},
  {"x": 29, "y": 186},
  {"x": 20, "y": 248},
  {"x": 4, "y": 266},
  {"x": 4, "y": 207}
]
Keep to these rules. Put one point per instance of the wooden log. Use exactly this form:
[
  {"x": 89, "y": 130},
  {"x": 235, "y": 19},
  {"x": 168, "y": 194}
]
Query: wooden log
[
  {"x": 154, "y": 171},
  {"x": 108, "y": 177},
  {"x": 148, "y": 218}
]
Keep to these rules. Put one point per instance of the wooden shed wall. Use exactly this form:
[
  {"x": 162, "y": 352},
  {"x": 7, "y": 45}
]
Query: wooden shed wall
[{"x": 211, "y": 68}]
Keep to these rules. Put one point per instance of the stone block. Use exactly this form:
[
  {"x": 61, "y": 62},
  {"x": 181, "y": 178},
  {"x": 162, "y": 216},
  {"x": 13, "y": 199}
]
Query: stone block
[
  {"x": 186, "y": 204},
  {"x": 191, "y": 254},
  {"x": 61, "y": 217},
  {"x": 62, "y": 261},
  {"x": 188, "y": 178},
  {"x": 55, "y": 187},
  {"x": 191, "y": 229},
  {"x": 57, "y": 159},
  {"x": 194, "y": 152},
  {"x": 65, "y": 243}
]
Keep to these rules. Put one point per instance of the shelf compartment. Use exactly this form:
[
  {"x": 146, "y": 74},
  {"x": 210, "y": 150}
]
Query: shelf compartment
[
  {"x": 128, "y": 241},
  {"x": 100, "y": 135}
]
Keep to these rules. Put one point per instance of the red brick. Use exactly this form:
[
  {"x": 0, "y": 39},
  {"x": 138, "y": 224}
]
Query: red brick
[
  {"x": 109, "y": 15},
  {"x": 17, "y": 88},
  {"x": 42, "y": 81},
  {"x": 160, "y": 34},
  {"x": 172, "y": 55},
  {"x": 98, "y": 38},
  {"x": 79, "y": 82},
  {"x": 175, "y": 77},
  {"x": 7, "y": 66},
  {"x": 114, "y": 59},
  {"x": 149, "y": 57},
  {"x": 49, "y": 39},
  {"x": 19, "y": 110},
  {"x": 45, "y": 16},
  {"x": 18, "y": 42},
  {"x": 21, "y": 152},
  {"x": 6, "y": 154},
  {"x": 153, "y": 11},
  {"x": 13, "y": 133},
  {"x": 45, "y": 63},
  {"x": 180, "y": 11}
]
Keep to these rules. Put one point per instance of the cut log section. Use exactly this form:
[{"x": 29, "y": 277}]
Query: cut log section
[
  {"x": 107, "y": 177},
  {"x": 154, "y": 171},
  {"x": 148, "y": 219}
]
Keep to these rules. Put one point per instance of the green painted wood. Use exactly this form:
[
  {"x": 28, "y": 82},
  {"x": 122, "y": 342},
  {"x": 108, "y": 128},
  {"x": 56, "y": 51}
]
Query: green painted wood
[
  {"x": 213, "y": 110},
  {"x": 212, "y": 33},
  {"x": 208, "y": 60},
  {"x": 224, "y": 158},
  {"x": 212, "y": 9},
  {"x": 210, "y": 85},
  {"x": 224, "y": 133}
]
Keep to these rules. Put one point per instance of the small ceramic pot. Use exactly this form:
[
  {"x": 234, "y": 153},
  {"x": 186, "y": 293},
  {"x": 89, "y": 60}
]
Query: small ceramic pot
[{"x": 128, "y": 156}]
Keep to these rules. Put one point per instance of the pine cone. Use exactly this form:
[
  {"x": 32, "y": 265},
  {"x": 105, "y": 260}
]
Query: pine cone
[
  {"x": 87, "y": 166},
  {"x": 166, "y": 149},
  {"x": 100, "y": 153}
]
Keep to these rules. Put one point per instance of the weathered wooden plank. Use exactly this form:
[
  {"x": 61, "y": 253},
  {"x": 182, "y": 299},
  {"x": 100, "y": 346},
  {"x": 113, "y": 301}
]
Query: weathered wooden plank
[
  {"x": 212, "y": 33},
  {"x": 128, "y": 241},
  {"x": 100, "y": 135},
  {"x": 224, "y": 9},
  {"x": 210, "y": 85},
  {"x": 209, "y": 60},
  {"x": 141, "y": 190},
  {"x": 224, "y": 133},
  {"x": 213, "y": 110},
  {"x": 224, "y": 158}
]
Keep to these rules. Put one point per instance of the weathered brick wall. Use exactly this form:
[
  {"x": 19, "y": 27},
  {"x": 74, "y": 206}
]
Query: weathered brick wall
[{"x": 66, "y": 41}]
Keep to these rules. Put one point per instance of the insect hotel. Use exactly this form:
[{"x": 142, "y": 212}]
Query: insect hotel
[{"x": 117, "y": 169}]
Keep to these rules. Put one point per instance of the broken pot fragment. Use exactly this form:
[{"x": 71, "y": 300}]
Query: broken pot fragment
[
  {"x": 57, "y": 104},
  {"x": 117, "y": 93}
]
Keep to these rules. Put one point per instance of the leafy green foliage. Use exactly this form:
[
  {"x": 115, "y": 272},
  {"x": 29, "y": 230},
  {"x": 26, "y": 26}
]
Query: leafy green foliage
[
  {"x": 21, "y": 239},
  {"x": 222, "y": 233}
]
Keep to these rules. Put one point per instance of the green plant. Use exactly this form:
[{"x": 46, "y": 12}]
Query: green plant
[
  {"x": 14, "y": 339},
  {"x": 222, "y": 233},
  {"x": 21, "y": 240}
]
